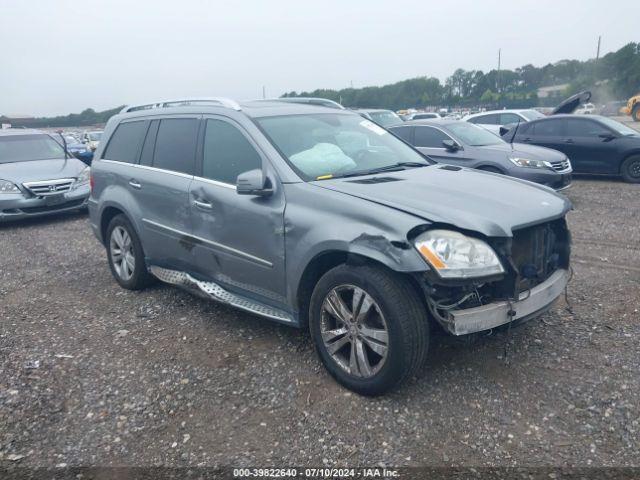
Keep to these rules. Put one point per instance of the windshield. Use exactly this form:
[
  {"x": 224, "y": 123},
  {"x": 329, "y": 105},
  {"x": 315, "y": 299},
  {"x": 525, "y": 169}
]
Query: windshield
[
  {"x": 470, "y": 134},
  {"x": 531, "y": 114},
  {"x": 386, "y": 118},
  {"x": 621, "y": 128},
  {"x": 332, "y": 144},
  {"x": 95, "y": 136},
  {"x": 23, "y": 148}
]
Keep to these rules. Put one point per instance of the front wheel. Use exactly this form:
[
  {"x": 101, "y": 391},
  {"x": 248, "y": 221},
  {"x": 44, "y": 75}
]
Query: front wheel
[
  {"x": 369, "y": 327},
  {"x": 635, "y": 113},
  {"x": 630, "y": 169}
]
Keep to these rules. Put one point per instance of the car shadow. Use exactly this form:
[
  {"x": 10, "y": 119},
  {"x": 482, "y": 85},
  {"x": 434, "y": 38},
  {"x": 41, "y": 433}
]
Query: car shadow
[{"x": 44, "y": 220}]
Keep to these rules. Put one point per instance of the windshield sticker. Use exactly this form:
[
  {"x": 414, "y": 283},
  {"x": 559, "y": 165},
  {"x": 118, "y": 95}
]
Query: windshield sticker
[{"x": 373, "y": 127}]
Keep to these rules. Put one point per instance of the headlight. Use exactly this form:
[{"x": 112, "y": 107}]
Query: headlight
[
  {"x": 454, "y": 255},
  {"x": 525, "y": 162},
  {"x": 8, "y": 187},
  {"x": 83, "y": 178}
]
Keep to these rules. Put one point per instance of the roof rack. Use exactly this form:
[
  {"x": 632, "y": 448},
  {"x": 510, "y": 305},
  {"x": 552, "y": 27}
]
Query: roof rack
[
  {"x": 321, "y": 102},
  {"x": 182, "y": 102}
]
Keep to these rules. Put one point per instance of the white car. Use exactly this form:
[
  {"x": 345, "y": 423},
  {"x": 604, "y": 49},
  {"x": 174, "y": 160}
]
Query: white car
[
  {"x": 586, "y": 109},
  {"x": 493, "y": 120},
  {"x": 425, "y": 116}
]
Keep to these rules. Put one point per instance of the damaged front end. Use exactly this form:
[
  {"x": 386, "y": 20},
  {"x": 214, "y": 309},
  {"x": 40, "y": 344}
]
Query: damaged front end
[{"x": 534, "y": 272}]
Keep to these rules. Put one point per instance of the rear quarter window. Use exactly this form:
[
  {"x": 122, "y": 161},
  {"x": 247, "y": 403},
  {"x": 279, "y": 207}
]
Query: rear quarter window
[{"x": 125, "y": 143}]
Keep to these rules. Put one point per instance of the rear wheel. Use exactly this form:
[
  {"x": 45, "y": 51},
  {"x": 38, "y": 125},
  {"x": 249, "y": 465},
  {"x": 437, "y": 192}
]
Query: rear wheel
[
  {"x": 369, "y": 327},
  {"x": 630, "y": 169},
  {"x": 126, "y": 257}
]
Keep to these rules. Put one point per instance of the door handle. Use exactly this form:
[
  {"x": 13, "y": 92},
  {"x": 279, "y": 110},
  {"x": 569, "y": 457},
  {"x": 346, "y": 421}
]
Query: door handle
[
  {"x": 134, "y": 183},
  {"x": 568, "y": 140},
  {"x": 205, "y": 205},
  {"x": 528, "y": 139}
]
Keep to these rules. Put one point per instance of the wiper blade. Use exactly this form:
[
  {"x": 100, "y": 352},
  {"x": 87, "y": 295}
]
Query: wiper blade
[{"x": 396, "y": 167}]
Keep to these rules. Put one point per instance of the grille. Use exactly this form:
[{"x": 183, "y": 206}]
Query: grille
[
  {"x": 561, "y": 166},
  {"x": 49, "y": 187},
  {"x": 537, "y": 252}
]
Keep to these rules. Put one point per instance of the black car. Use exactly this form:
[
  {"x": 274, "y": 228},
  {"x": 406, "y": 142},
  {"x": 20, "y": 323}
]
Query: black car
[
  {"x": 468, "y": 145},
  {"x": 595, "y": 144}
]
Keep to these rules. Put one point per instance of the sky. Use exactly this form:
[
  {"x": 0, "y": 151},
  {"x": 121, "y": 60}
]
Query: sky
[{"x": 62, "y": 56}]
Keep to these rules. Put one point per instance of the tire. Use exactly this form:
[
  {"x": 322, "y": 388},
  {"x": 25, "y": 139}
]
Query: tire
[
  {"x": 394, "y": 306},
  {"x": 491, "y": 169},
  {"x": 635, "y": 113},
  {"x": 132, "y": 274},
  {"x": 630, "y": 169}
]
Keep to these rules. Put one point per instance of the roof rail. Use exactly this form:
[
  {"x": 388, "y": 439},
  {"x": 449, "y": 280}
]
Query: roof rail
[
  {"x": 321, "y": 102},
  {"x": 220, "y": 101}
]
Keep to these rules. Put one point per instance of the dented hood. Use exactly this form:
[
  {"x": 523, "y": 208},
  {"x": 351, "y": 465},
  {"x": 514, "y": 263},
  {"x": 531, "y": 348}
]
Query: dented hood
[{"x": 491, "y": 204}]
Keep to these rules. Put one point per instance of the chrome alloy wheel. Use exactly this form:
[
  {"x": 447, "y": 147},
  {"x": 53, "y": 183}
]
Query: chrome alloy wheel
[
  {"x": 121, "y": 251},
  {"x": 354, "y": 331}
]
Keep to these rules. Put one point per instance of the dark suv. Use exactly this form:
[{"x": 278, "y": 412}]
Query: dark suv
[{"x": 319, "y": 218}]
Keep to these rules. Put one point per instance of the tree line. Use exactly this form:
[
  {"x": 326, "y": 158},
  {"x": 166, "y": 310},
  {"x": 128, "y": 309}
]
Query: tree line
[{"x": 615, "y": 76}]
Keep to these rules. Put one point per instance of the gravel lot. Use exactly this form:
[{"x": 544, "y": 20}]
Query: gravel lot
[{"x": 91, "y": 374}]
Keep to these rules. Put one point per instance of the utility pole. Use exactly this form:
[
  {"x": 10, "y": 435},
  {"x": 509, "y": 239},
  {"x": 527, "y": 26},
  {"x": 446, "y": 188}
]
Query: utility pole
[
  {"x": 598, "y": 51},
  {"x": 498, "y": 73}
]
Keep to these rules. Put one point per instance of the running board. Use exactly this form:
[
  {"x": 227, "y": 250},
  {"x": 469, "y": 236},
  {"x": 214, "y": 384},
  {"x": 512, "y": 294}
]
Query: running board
[{"x": 216, "y": 292}]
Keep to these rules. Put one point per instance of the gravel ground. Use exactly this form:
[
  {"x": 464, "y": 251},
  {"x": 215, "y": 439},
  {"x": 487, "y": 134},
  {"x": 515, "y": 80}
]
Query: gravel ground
[{"x": 91, "y": 374}]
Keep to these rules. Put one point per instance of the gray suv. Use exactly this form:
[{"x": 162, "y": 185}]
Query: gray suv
[{"x": 321, "y": 219}]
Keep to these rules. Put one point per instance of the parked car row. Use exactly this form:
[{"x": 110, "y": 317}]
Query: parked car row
[{"x": 321, "y": 219}]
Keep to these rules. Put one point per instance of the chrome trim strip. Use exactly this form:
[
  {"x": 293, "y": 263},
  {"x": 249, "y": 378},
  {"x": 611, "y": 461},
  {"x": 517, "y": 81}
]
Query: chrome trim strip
[
  {"x": 240, "y": 253},
  {"x": 146, "y": 167},
  {"x": 215, "y": 182}
]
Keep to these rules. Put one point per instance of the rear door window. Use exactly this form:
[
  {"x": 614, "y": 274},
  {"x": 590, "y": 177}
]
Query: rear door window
[
  {"x": 125, "y": 143},
  {"x": 549, "y": 128},
  {"x": 507, "y": 118},
  {"x": 175, "y": 147},
  {"x": 490, "y": 119},
  {"x": 429, "y": 137},
  {"x": 403, "y": 132},
  {"x": 227, "y": 153}
]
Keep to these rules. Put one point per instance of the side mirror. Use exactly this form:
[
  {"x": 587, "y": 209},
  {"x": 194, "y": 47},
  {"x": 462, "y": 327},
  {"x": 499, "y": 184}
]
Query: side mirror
[
  {"x": 253, "y": 182},
  {"x": 607, "y": 136},
  {"x": 451, "y": 145}
]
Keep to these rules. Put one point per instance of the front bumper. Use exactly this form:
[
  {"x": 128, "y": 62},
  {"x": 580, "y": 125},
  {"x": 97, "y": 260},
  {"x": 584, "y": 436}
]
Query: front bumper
[
  {"x": 18, "y": 206},
  {"x": 530, "y": 305},
  {"x": 549, "y": 178}
]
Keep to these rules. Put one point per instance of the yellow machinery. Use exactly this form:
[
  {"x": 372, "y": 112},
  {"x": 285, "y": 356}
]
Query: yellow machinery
[{"x": 632, "y": 108}]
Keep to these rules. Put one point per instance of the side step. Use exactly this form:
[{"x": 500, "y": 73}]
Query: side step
[{"x": 216, "y": 292}]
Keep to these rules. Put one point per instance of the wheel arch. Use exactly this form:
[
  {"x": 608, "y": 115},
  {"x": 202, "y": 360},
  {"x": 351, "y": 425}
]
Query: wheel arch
[
  {"x": 626, "y": 156},
  {"x": 325, "y": 261},
  {"x": 106, "y": 215}
]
